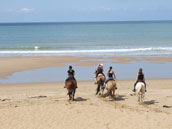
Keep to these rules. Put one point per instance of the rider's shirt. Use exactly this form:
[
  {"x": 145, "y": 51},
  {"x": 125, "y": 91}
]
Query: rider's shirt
[
  {"x": 140, "y": 77},
  {"x": 100, "y": 70},
  {"x": 71, "y": 72},
  {"x": 110, "y": 75}
]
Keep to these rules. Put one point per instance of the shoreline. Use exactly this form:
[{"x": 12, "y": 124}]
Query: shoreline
[
  {"x": 10, "y": 65},
  {"x": 53, "y": 69},
  {"x": 81, "y": 81}
]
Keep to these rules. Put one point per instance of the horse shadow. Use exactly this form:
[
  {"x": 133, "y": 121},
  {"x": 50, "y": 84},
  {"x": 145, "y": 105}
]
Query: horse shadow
[
  {"x": 80, "y": 99},
  {"x": 151, "y": 102},
  {"x": 119, "y": 98}
]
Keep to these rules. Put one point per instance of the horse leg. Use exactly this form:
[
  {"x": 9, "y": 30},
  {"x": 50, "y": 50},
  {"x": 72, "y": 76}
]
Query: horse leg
[
  {"x": 111, "y": 95},
  {"x": 73, "y": 95},
  {"x": 102, "y": 90},
  {"x": 142, "y": 97},
  {"x": 113, "y": 92},
  {"x": 69, "y": 96},
  {"x": 98, "y": 89},
  {"x": 100, "y": 85},
  {"x": 138, "y": 98}
]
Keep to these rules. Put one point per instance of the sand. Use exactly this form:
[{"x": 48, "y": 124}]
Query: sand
[{"x": 46, "y": 106}]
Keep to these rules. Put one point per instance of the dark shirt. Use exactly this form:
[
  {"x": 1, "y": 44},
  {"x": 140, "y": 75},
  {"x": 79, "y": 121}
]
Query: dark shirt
[
  {"x": 71, "y": 72},
  {"x": 140, "y": 77},
  {"x": 99, "y": 70},
  {"x": 110, "y": 75}
]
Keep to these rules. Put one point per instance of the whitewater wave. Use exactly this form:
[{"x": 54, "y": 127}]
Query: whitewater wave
[{"x": 130, "y": 51}]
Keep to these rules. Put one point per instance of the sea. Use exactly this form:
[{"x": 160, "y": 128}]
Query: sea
[
  {"x": 144, "y": 38},
  {"x": 138, "y": 39}
]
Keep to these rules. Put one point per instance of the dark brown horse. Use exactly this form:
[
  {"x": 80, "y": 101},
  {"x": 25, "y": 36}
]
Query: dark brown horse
[{"x": 71, "y": 85}]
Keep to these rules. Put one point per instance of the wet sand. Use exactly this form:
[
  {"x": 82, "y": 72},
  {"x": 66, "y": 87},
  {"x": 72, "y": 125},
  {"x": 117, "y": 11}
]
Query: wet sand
[{"x": 10, "y": 65}]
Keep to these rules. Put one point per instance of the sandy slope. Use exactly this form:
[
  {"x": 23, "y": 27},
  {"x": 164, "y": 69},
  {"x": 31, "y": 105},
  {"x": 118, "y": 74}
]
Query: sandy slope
[{"x": 46, "y": 106}]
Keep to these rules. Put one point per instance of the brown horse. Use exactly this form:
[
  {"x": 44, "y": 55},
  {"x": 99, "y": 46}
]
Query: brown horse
[
  {"x": 110, "y": 87},
  {"x": 100, "y": 79},
  {"x": 71, "y": 85}
]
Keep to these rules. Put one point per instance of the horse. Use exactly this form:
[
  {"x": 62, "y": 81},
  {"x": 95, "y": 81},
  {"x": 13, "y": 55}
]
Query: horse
[
  {"x": 140, "y": 91},
  {"x": 110, "y": 87},
  {"x": 100, "y": 79},
  {"x": 71, "y": 85}
]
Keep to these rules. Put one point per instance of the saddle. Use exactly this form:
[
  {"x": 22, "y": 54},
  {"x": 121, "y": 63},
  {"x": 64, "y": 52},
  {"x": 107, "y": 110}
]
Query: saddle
[{"x": 100, "y": 74}]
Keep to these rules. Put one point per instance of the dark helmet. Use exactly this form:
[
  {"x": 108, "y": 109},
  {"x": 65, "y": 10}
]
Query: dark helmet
[
  {"x": 110, "y": 67},
  {"x": 70, "y": 67},
  {"x": 140, "y": 69}
]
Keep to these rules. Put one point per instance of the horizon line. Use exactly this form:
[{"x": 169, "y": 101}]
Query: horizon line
[{"x": 123, "y": 21}]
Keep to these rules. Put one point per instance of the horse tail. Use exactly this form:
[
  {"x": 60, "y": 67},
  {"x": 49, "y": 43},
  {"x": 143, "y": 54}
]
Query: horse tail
[
  {"x": 72, "y": 85},
  {"x": 100, "y": 81},
  {"x": 138, "y": 90},
  {"x": 71, "y": 88}
]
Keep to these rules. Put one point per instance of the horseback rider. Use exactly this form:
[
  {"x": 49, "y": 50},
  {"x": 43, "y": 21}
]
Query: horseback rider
[
  {"x": 111, "y": 75},
  {"x": 98, "y": 71},
  {"x": 140, "y": 78},
  {"x": 71, "y": 74}
]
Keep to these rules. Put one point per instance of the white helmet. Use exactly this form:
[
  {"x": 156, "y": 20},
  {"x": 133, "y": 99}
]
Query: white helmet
[{"x": 101, "y": 64}]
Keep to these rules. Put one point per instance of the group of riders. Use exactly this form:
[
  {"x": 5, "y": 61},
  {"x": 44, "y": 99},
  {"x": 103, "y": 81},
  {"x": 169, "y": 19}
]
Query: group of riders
[{"x": 111, "y": 75}]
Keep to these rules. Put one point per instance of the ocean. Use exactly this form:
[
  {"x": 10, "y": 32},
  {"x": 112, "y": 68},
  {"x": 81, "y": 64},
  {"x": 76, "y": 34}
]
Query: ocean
[
  {"x": 87, "y": 39},
  {"x": 151, "y": 38}
]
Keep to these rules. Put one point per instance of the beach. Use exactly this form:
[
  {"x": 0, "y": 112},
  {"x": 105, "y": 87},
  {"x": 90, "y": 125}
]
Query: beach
[
  {"x": 35, "y": 57},
  {"x": 45, "y": 104}
]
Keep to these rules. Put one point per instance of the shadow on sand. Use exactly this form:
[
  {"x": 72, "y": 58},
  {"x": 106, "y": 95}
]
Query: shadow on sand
[
  {"x": 151, "y": 102},
  {"x": 79, "y": 99},
  {"x": 119, "y": 98}
]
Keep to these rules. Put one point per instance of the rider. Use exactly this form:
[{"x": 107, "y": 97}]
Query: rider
[
  {"x": 71, "y": 74},
  {"x": 110, "y": 74},
  {"x": 99, "y": 70},
  {"x": 140, "y": 78}
]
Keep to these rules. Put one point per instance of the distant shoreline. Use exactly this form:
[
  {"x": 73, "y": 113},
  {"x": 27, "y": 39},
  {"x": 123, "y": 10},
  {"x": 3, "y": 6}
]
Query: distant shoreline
[{"x": 84, "y": 22}]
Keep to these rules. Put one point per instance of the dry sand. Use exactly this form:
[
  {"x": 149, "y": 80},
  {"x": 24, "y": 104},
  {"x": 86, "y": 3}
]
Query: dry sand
[{"x": 46, "y": 106}]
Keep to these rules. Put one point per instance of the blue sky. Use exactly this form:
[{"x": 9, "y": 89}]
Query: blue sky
[{"x": 84, "y": 10}]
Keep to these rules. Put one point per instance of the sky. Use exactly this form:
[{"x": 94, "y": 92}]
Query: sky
[{"x": 84, "y": 10}]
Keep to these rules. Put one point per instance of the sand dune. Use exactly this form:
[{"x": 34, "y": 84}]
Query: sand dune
[{"x": 46, "y": 106}]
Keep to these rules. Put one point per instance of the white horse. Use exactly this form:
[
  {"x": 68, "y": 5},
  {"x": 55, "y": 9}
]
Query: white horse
[{"x": 140, "y": 91}]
